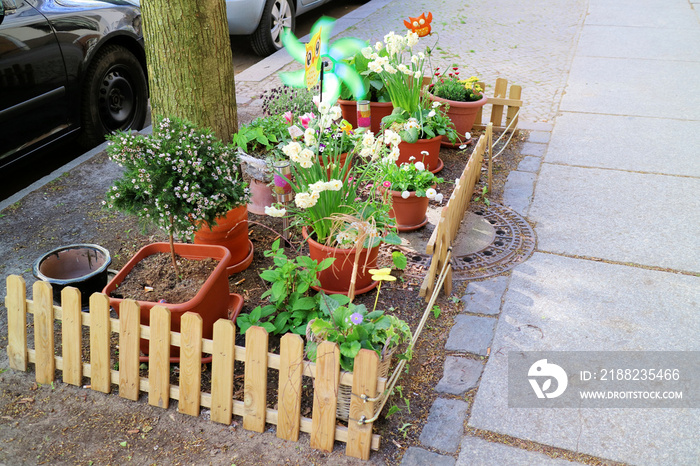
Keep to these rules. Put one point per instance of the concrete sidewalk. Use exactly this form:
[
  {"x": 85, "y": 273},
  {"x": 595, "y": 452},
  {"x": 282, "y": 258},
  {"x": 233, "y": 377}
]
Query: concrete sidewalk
[{"x": 614, "y": 195}]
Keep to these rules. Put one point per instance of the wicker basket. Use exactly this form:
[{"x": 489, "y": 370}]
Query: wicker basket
[{"x": 342, "y": 410}]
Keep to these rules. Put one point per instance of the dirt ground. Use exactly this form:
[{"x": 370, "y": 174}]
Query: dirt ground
[{"x": 63, "y": 424}]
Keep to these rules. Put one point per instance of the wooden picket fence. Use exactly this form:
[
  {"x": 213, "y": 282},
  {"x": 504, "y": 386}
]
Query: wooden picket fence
[
  {"x": 501, "y": 106},
  {"x": 322, "y": 427},
  {"x": 440, "y": 243}
]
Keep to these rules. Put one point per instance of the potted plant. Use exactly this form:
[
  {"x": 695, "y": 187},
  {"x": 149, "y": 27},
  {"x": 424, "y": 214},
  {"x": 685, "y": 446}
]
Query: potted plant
[
  {"x": 338, "y": 219},
  {"x": 420, "y": 126},
  {"x": 410, "y": 187},
  {"x": 375, "y": 92},
  {"x": 183, "y": 180},
  {"x": 462, "y": 98},
  {"x": 258, "y": 143}
]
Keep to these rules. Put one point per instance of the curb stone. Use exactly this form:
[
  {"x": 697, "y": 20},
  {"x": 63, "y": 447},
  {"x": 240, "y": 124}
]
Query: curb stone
[
  {"x": 485, "y": 297},
  {"x": 460, "y": 376},
  {"x": 471, "y": 334},
  {"x": 445, "y": 425},
  {"x": 415, "y": 456}
]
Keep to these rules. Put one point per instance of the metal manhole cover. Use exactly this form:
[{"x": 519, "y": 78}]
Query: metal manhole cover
[{"x": 492, "y": 239}]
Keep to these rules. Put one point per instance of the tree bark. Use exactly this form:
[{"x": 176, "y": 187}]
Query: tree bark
[{"x": 190, "y": 64}]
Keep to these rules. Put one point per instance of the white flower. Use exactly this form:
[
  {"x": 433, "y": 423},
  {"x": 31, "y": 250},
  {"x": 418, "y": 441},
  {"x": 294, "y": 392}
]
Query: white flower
[
  {"x": 424, "y": 152},
  {"x": 403, "y": 68},
  {"x": 335, "y": 112},
  {"x": 375, "y": 66},
  {"x": 306, "y": 163},
  {"x": 318, "y": 187},
  {"x": 412, "y": 123},
  {"x": 310, "y": 137},
  {"x": 392, "y": 137},
  {"x": 273, "y": 211},
  {"x": 411, "y": 38},
  {"x": 438, "y": 198},
  {"x": 420, "y": 166},
  {"x": 431, "y": 113},
  {"x": 368, "y": 139},
  {"x": 418, "y": 74},
  {"x": 405, "y": 194},
  {"x": 378, "y": 46},
  {"x": 467, "y": 136},
  {"x": 323, "y": 108},
  {"x": 436, "y": 104},
  {"x": 334, "y": 185},
  {"x": 411, "y": 158},
  {"x": 389, "y": 69},
  {"x": 394, "y": 153},
  {"x": 414, "y": 59},
  {"x": 430, "y": 193},
  {"x": 367, "y": 52},
  {"x": 291, "y": 149}
]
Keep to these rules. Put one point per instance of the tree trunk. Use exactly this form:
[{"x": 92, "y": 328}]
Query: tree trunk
[{"x": 190, "y": 64}]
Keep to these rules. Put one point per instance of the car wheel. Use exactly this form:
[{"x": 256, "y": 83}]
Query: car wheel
[
  {"x": 114, "y": 96},
  {"x": 277, "y": 15}
]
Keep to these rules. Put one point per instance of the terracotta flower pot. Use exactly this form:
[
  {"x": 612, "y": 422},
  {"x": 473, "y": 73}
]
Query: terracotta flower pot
[
  {"x": 230, "y": 231},
  {"x": 410, "y": 212},
  {"x": 431, "y": 160},
  {"x": 260, "y": 197},
  {"x": 342, "y": 159},
  {"x": 212, "y": 302},
  {"x": 336, "y": 278},
  {"x": 378, "y": 110},
  {"x": 462, "y": 114}
]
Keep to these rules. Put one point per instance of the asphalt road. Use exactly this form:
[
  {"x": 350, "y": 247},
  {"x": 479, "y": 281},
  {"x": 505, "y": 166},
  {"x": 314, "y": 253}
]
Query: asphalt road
[{"x": 26, "y": 172}]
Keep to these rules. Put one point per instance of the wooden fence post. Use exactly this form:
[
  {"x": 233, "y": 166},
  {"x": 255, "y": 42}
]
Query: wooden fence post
[
  {"x": 45, "y": 364},
  {"x": 16, "y": 303},
  {"x": 72, "y": 336},
  {"x": 255, "y": 388},
  {"x": 129, "y": 340},
  {"x": 100, "y": 333},
  {"x": 364, "y": 382},
  {"x": 190, "y": 363},
  {"x": 325, "y": 396},
  {"x": 222, "y": 371},
  {"x": 289, "y": 393},
  {"x": 159, "y": 357}
]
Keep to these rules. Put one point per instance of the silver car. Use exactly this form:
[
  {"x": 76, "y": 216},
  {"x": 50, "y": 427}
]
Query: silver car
[{"x": 264, "y": 20}]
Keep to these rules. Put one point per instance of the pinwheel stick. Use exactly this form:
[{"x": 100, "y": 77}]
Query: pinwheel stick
[{"x": 320, "y": 90}]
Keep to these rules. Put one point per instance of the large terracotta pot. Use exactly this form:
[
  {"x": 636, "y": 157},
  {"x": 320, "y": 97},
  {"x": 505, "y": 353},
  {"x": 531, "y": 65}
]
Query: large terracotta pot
[
  {"x": 230, "y": 231},
  {"x": 336, "y": 278},
  {"x": 462, "y": 114},
  {"x": 260, "y": 197},
  {"x": 416, "y": 149},
  {"x": 212, "y": 302},
  {"x": 378, "y": 110},
  {"x": 410, "y": 212},
  {"x": 341, "y": 159}
]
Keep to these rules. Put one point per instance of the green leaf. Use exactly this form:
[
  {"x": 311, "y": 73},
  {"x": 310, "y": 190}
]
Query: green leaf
[
  {"x": 399, "y": 259},
  {"x": 305, "y": 303},
  {"x": 306, "y": 261},
  {"x": 325, "y": 263},
  {"x": 269, "y": 326},
  {"x": 392, "y": 238},
  {"x": 392, "y": 410},
  {"x": 269, "y": 275},
  {"x": 255, "y": 314},
  {"x": 279, "y": 291},
  {"x": 350, "y": 349},
  {"x": 374, "y": 315}
]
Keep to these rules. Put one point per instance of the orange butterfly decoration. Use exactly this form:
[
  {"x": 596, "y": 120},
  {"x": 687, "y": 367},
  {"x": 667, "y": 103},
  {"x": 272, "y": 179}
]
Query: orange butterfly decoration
[{"x": 420, "y": 25}]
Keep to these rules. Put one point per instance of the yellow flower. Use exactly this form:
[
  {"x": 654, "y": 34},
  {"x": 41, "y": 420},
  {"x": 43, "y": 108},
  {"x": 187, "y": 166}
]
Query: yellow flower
[
  {"x": 382, "y": 275},
  {"x": 346, "y": 127}
]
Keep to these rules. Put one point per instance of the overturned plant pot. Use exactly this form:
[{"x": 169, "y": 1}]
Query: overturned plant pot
[
  {"x": 230, "y": 231},
  {"x": 212, "y": 302},
  {"x": 83, "y": 266}
]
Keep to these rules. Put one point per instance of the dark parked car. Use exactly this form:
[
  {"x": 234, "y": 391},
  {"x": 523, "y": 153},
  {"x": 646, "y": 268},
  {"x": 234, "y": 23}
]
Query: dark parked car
[{"x": 68, "y": 68}]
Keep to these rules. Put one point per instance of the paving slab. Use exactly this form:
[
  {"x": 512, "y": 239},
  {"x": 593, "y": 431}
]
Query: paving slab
[
  {"x": 530, "y": 164},
  {"x": 620, "y": 216},
  {"x": 460, "y": 375},
  {"x": 471, "y": 334},
  {"x": 477, "y": 451},
  {"x": 533, "y": 148},
  {"x": 564, "y": 304},
  {"x": 445, "y": 426},
  {"x": 415, "y": 456},
  {"x": 518, "y": 191},
  {"x": 677, "y": 14},
  {"x": 485, "y": 297},
  {"x": 631, "y": 87},
  {"x": 626, "y": 143},
  {"x": 650, "y": 43},
  {"x": 539, "y": 136}
]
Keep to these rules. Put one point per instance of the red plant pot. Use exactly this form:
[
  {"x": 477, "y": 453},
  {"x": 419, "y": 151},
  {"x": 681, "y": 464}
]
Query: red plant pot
[
  {"x": 462, "y": 114},
  {"x": 417, "y": 150},
  {"x": 378, "y": 110},
  {"x": 230, "y": 231},
  {"x": 410, "y": 212},
  {"x": 336, "y": 279},
  {"x": 260, "y": 197},
  {"x": 212, "y": 302}
]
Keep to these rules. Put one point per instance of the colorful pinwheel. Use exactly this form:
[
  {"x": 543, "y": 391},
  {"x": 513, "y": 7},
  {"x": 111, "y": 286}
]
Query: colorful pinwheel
[{"x": 335, "y": 70}]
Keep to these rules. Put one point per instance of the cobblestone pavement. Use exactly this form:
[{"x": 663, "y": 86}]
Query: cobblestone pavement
[{"x": 530, "y": 44}]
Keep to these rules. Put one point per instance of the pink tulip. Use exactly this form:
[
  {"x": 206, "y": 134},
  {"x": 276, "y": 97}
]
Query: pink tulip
[
  {"x": 288, "y": 116},
  {"x": 306, "y": 119}
]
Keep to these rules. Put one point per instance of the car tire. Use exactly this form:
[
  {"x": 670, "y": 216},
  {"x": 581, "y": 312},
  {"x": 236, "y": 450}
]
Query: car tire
[
  {"x": 267, "y": 38},
  {"x": 114, "y": 95}
]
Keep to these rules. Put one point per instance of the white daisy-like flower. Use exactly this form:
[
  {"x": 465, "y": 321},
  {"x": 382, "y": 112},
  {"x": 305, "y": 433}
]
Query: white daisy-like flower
[
  {"x": 438, "y": 198},
  {"x": 411, "y": 123},
  {"x": 405, "y": 194},
  {"x": 424, "y": 152},
  {"x": 411, "y": 158},
  {"x": 420, "y": 166},
  {"x": 430, "y": 193},
  {"x": 335, "y": 112},
  {"x": 273, "y": 211},
  {"x": 431, "y": 113},
  {"x": 367, "y": 52},
  {"x": 436, "y": 104}
]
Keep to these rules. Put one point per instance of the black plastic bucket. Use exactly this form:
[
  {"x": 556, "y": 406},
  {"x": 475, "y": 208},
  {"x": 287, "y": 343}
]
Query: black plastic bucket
[{"x": 83, "y": 266}]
